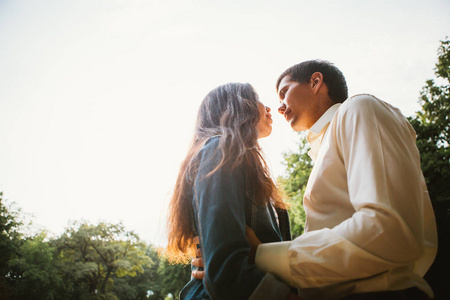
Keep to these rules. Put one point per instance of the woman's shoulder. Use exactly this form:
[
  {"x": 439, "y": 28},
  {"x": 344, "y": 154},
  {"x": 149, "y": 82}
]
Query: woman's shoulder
[
  {"x": 213, "y": 141},
  {"x": 210, "y": 145},
  {"x": 209, "y": 152}
]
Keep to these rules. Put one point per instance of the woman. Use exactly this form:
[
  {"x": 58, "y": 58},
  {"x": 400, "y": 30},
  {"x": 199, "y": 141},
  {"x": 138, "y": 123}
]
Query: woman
[{"x": 224, "y": 184}]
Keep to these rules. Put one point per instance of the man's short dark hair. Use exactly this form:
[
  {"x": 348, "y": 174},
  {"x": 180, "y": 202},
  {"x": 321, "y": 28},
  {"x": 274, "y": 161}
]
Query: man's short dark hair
[{"x": 332, "y": 76}]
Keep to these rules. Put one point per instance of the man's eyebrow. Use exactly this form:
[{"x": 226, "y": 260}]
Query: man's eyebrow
[{"x": 281, "y": 89}]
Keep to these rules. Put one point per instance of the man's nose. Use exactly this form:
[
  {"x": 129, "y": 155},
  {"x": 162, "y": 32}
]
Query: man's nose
[
  {"x": 268, "y": 109},
  {"x": 282, "y": 108}
]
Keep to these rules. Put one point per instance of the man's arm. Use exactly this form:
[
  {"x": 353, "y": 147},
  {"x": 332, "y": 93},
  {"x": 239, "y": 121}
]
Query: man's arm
[{"x": 254, "y": 243}]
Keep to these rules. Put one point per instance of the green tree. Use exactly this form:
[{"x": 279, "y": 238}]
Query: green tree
[
  {"x": 10, "y": 240},
  {"x": 87, "y": 261},
  {"x": 159, "y": 281},
  {"x": 144, "y": 285},
  {"x": 92, "y": 257},
  {"x": 171, "y": 277},
  {"x": 298, "y": 167},
  {"x": 10, "y": 225},
  {"x": 32, "y": 270},
  {"x": 432, "y": 125},
  {"x": 433, "y": 137},
  {"x": 155, "y": 285}
]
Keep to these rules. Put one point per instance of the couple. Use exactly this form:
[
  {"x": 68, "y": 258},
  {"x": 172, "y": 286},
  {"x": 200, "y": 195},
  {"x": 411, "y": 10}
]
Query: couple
[{"x": 370, "y": 228}]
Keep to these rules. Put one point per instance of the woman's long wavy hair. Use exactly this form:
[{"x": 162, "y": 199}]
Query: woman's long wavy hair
[{"x": 231, "y": 112}]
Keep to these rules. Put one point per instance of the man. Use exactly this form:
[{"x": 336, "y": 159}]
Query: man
[{"x": 370, "y": 230}]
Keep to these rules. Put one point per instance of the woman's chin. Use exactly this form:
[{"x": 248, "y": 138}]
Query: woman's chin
[{"x": 265, "y": 134}]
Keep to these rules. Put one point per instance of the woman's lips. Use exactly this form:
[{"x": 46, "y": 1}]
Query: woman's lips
[
  {"x": 286, "y": 114},
  {"x": 269, "y": 116}
]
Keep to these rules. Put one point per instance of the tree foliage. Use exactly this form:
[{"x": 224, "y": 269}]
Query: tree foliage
[
  {"x": 9, "y": 233},
  {"x": 10, "y": 238},
  {"x": 102, "y": 261},
  {"x": 432, "y": 127},
  {"x": 170, "y": 276},
  {"x": 92, "y": 256},
  {"x": 298, "y": 167},
  {"x": 32, "y": 270}
]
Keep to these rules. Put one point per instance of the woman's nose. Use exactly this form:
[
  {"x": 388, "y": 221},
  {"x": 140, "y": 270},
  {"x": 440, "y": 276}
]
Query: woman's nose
[
  {"x": 282, "y": 108},
  {"x": 268, "y": 109}
]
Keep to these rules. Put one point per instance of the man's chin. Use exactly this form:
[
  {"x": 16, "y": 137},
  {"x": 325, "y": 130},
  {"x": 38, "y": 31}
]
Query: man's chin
[{"x": 296, "y": 127}]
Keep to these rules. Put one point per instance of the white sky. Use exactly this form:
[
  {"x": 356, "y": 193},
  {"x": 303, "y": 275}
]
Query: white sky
[{"x": 98, "y": 98}]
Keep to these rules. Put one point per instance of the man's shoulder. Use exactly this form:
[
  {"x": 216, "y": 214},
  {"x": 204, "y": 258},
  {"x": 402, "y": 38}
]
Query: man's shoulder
[
  {"x": 363, "y": 97},
  {"x": 356, "y": 105},
  {"x": 362, "y": 107},
  {"x": 366, "y": 103},
  {"x": 358, "y": 101}
]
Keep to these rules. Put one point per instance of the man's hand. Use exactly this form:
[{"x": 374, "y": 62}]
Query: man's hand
[
  {"x": 198, "y": 261},
  {"x": 253, "y": 241}
]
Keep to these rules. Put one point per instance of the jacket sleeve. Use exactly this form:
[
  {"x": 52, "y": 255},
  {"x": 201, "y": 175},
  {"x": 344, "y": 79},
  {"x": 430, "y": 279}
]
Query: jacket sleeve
[{"x": 219, "y": 206}]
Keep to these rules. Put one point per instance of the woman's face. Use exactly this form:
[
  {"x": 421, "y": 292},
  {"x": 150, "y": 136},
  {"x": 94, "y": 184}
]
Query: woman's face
[{"x": 264, "y": 126}]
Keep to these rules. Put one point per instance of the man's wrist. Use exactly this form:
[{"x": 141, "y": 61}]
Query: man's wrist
[{"x": 273, "y": 258}]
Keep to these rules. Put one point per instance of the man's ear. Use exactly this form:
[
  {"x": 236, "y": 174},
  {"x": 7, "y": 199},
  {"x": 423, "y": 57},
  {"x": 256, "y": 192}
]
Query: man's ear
[{"x": 316, "y": 82}]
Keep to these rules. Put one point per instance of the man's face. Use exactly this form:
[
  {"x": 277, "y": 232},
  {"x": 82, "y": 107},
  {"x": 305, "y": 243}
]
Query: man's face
[{"x": 297, "y": 104}]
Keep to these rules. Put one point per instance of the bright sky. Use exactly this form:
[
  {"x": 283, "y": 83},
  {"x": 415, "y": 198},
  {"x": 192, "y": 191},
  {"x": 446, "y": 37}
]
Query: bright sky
[{"x": 98, "y": 98}]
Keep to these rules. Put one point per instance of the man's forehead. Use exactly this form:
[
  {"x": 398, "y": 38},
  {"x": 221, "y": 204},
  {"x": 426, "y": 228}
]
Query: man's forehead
[{"x": 286, "y": 80}]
